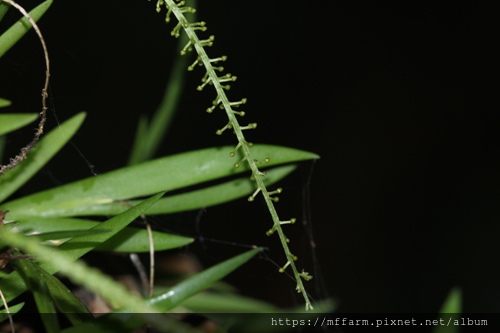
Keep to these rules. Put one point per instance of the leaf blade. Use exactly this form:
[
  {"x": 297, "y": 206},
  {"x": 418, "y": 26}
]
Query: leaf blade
[
  {"x": 452, "y": 306},
  {"x": 46, "y": 148},
  {"x": 12, "y": 309},
  {"x": 197, "y": 199},
  {"x": 14, "y": 285},
  {"x": 201, "y": 281},
  {"x": 209, "y": 302},
  {"x": 11, "y": 122},
  {"x": 41, "y": 294},
  {"x": 168, "y": 300},
  {"x": 59, "y": 235},
  {"x": 4, "y": 7},
  {"x": 10, "y": 37},
  {"x": 3, "y": 102},
  {"x": 168, "y": 173},
  {"x": 128, "y": 240},
  {"x": 111, "y": 227},
  {"x": 149, "y": 135},
  {"x": 78, "y": 272},
  {"x": 67, "y": 302}
]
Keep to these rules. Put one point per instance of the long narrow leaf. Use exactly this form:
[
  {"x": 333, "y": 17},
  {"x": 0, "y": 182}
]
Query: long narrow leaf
[
  {"x": 45, "y": 149},
  {"x": 259, "y": 320},
  {"x": 130, "y": 323},
  {"x": 3, "y": 9},
  {"x": 116, "y": 293},
  {"x": 203, "y": 198},
  {"x": 3, "y": 102},
  {"x": 12, "y": 309},
  {"x": 128, "y": 240},
  {"x": 199, "y": 282},
  {"x": 170, "y": 299},
  {"x": 80, "y": 273},
  {"x": 66, "y": 301},
  {"x": 210, "y": 302},
  {"x": 452, "y": 307},
  {"x": 10, "y": 37},
  {"x": 73, "y": 249},
  {"x": 13, "y": 285},
  {"x": 168, "y": 173},
  {"x": 453, "y": 302},
  {"x": 41, "y": 293},
  {"x": 140, "y": 141},
  {"x": 59, "y": 235},
  {"x": 11, "y": 122},
  {"x": 150, "y": 135},
  {"x": 137, "y": 241}
]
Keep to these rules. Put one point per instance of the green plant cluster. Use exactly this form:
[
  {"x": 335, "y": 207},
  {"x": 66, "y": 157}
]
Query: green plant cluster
[{"x": 56, "y": 228}]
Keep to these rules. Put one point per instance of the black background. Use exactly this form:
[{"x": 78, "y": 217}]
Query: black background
[{"x": 396, "y": 97}]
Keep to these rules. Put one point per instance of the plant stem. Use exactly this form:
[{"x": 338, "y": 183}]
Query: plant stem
[{"x": 223, "y": 100}]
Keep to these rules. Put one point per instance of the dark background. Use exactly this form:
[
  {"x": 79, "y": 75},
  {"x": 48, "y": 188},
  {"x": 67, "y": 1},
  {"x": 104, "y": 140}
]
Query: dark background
[{"x": 397, "y": 98}]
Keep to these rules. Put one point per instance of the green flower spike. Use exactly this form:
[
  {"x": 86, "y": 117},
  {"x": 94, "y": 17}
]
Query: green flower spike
[{"x": 220, "y": 84}]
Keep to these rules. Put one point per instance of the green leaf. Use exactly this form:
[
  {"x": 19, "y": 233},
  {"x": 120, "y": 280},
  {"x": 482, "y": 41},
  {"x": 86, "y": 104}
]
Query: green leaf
[
  {"x": 164, "y": 174},
  {"x": 11, "y": 122},
  {"x": 10, "y": 37},
  {"x": 168, "y": 300},
  {"x": 452, "y": 306},
  {"x": 10, "y": 225},
  {"x": 3, "y": 102},
  {"x": 199, "y": 282},
  {"x": 209, "y": 196},
  {"x": 210, "y": 302},
  {"x": 59, "y": 235},
  {"x": 43, "y": 300},
  {"x": 203, "y": 198},
  {"x": 45, "y": 149},
  {"x": 259, "y": 322},
  {"x": 80, "y": 273},
  {"x": 453, "y": 303},
  {"x": 4, "y": 7},
  {"x": 137, "y": 241},
  {"x": 116, "y": 293},
  {"x": 128, "y": 240},
  {"x": 149, "y": 136},
  {"x": 12, "y": 309},
  {"x": 66, "y": 301},
  {"x": 140, "y": 141},
  {"x": 13, "y": 285},
  {"x": 129, "y": 322},
  {"x": 76, "y": 246}
]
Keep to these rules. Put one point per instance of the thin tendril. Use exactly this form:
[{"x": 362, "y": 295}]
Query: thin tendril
[{"x": 43, "y": 114}]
